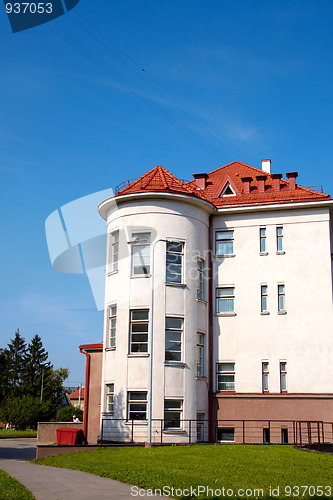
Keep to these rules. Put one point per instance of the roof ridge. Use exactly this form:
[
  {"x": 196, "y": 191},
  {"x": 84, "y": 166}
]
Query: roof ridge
[
  {"x": 228, "y": 165},
  {"x": 161, "y": 170}
]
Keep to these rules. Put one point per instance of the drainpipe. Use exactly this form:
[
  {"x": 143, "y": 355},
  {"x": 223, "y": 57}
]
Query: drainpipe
[
  {"x": 210, "y": 332},
  {"x": 86, "y": 395}
]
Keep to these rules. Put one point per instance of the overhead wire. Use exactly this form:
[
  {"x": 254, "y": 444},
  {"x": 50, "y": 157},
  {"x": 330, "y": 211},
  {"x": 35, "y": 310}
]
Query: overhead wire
[
  {"x": 198, "y": 119},
  {"x": 165, "y": 93},
  {"x": 166, "y": 114}
]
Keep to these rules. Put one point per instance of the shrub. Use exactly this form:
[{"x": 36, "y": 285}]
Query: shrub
[
  {"x": 66, "y": 413},
  {"x": 25, "y": 411}
]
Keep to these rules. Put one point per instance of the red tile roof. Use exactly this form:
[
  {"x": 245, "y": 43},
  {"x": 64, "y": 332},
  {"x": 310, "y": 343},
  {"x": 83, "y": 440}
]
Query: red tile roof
[
  {"x": 75, "y": 394},
  {"x": 159, "y": 179}
]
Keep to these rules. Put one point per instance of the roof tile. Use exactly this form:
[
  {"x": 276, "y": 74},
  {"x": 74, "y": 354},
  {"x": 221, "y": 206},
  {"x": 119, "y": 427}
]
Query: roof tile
[{"x": 159, "y": 179}]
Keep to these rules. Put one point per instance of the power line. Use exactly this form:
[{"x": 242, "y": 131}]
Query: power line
[{"x": 172, "y": 98}]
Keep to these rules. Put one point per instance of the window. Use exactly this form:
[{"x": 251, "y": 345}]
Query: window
[
  {"x": 200, "y": 282},
  {"x": 112, "y": 325},
  {"x": 225, "y": 300},
  {"x": 224, "y": 242},
  {"x": 173, "y": 339},
  {"x": 174, "y": 262},
  {"x": 284, "y": 436},
  {"x": 173, "y": 413},
  {"x": 226, "y": 377},
  {"x": 141, "y": 253},
  {"x": 200, "y": 427},
  {"x": 227, "y": 191},
  {"x": 139, "y": 330},
  {"x": 264, "y": 306},
  {"x": 200, "y": 354},
  {"x": 114, "y": 250},
  {"x": 281, "y": 298},
  {"x": 279, "y": 239},
  {"x": 226, "y": 435},
  {"x": 109, "y": 397},
  {"x": 137, "y": 405},
  {"x": 265, "y": 376},
  {"x": 283, "y": 376},
  {"x": 262, "y": 240},
  {"x": 266, "y": 435}
]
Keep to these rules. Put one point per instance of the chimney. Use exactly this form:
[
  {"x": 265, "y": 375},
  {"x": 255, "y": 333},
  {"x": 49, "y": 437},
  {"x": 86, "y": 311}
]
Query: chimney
[
  {"x": 292, "y": 179},
  {"x": 266, "y": 166},
  {"x": 200, "y": 180},
  {"x": 246, "y": 184},
  {"x": 276, "y": 181},
  {"x": 261, "y": 183}
]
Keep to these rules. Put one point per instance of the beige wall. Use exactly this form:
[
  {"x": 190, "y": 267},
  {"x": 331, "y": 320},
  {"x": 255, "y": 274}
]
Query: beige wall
[{"x": 47, "y": 431}]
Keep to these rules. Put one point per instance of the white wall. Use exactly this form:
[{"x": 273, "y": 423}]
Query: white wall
[{"x": 304, "y": 336}]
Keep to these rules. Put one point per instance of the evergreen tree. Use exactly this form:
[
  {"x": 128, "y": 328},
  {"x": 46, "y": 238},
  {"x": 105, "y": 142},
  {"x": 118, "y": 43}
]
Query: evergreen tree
[
  {"x": 4, "y": 374},
  {"x": 16, "y": 353},
  {"x": 21, "y": 370},
  {"x": 35, "y": 360}
]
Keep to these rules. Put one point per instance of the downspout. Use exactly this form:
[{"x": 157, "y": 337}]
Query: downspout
[
  {"x": 86, "y": 395},
  {"x": 210, "y": 332}
]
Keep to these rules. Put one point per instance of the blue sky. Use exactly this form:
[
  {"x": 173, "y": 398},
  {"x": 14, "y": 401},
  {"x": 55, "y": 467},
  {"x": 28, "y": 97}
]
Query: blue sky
[{"x": 222, "y": 81}]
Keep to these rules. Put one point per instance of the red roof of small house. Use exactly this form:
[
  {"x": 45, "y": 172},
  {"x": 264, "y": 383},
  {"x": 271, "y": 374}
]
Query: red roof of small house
[
  {"x": 233, "y": 177},
  {"x": 75, "y": 394}
]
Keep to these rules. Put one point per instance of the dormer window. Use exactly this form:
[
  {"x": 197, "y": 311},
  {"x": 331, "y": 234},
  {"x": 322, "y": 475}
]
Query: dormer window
[{"x": 227, "y": 191}]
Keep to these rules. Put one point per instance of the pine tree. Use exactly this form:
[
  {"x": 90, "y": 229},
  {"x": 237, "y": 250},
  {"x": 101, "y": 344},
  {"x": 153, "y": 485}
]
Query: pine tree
[
  {"x": 4, "y": 374},
  {"x": 35, "y": 360},
  {"x": 16, "y": 362}
]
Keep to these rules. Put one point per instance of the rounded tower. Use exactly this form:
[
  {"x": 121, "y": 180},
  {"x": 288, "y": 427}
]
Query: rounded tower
[{"x": 155, "y": 345}]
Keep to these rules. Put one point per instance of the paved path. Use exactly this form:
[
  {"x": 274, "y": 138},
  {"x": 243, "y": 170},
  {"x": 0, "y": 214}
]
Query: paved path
[{"x": 50, "y": 483}]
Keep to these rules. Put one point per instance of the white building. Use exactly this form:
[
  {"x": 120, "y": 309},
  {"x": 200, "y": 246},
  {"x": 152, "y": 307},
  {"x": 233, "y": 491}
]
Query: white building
[{"x": 239, "y": 307}]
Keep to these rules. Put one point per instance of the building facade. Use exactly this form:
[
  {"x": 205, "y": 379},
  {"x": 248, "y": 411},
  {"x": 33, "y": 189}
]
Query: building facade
[{"x": 218, "y": 306}]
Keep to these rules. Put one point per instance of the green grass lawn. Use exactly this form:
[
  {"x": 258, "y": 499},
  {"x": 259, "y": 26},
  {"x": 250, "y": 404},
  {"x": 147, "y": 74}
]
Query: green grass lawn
[
  {"x": 232, "y": 467},
  {"x": 10, "y": 489},
  {"x": 11, "y": 433}
]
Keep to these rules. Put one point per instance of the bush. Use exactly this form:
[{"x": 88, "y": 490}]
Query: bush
[
  {"x": 66, "y": 414},
  {"x": 25, "y": 411}
]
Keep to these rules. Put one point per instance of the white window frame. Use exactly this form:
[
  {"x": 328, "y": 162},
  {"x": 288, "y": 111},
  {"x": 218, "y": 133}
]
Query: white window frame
[
  {"x": 169, "y": 409},
  {"x": 265, "y": 376},
  {"x": 222, "y": 299},
  {"x": 279, "y": 239},
  {"x": 137, "y": 404},
  {"x": 174, "y": 336},
  {"x": 228, "y": 238},
  {"x": 262, "y": 240},
  {"x": 173, "y": 255},
  {"x": 134, "y": 335},
  {"x": 112, "y": 330},
  {"x": 140, "y": 251},
  {"x": 200, "y": 279},
  {"x": 201, "y": 338},
  {"x": 264, "y": 298},
  {"x": 281, "y": 297},
  {"x": 110, "y": 398},
  {"x": 114, "y": 250},
  {"x": 283, "y": 376},
  {"x": 225, "y": 369}
]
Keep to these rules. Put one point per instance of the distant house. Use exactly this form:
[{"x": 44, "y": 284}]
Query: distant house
[
  {"x": 218, "y": 308},
  {"x": 76, "y": 398}
]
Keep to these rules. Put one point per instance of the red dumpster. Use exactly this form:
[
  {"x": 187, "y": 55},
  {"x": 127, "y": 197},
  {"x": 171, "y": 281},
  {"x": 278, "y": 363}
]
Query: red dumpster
[{"x": 68, "y": 435}]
